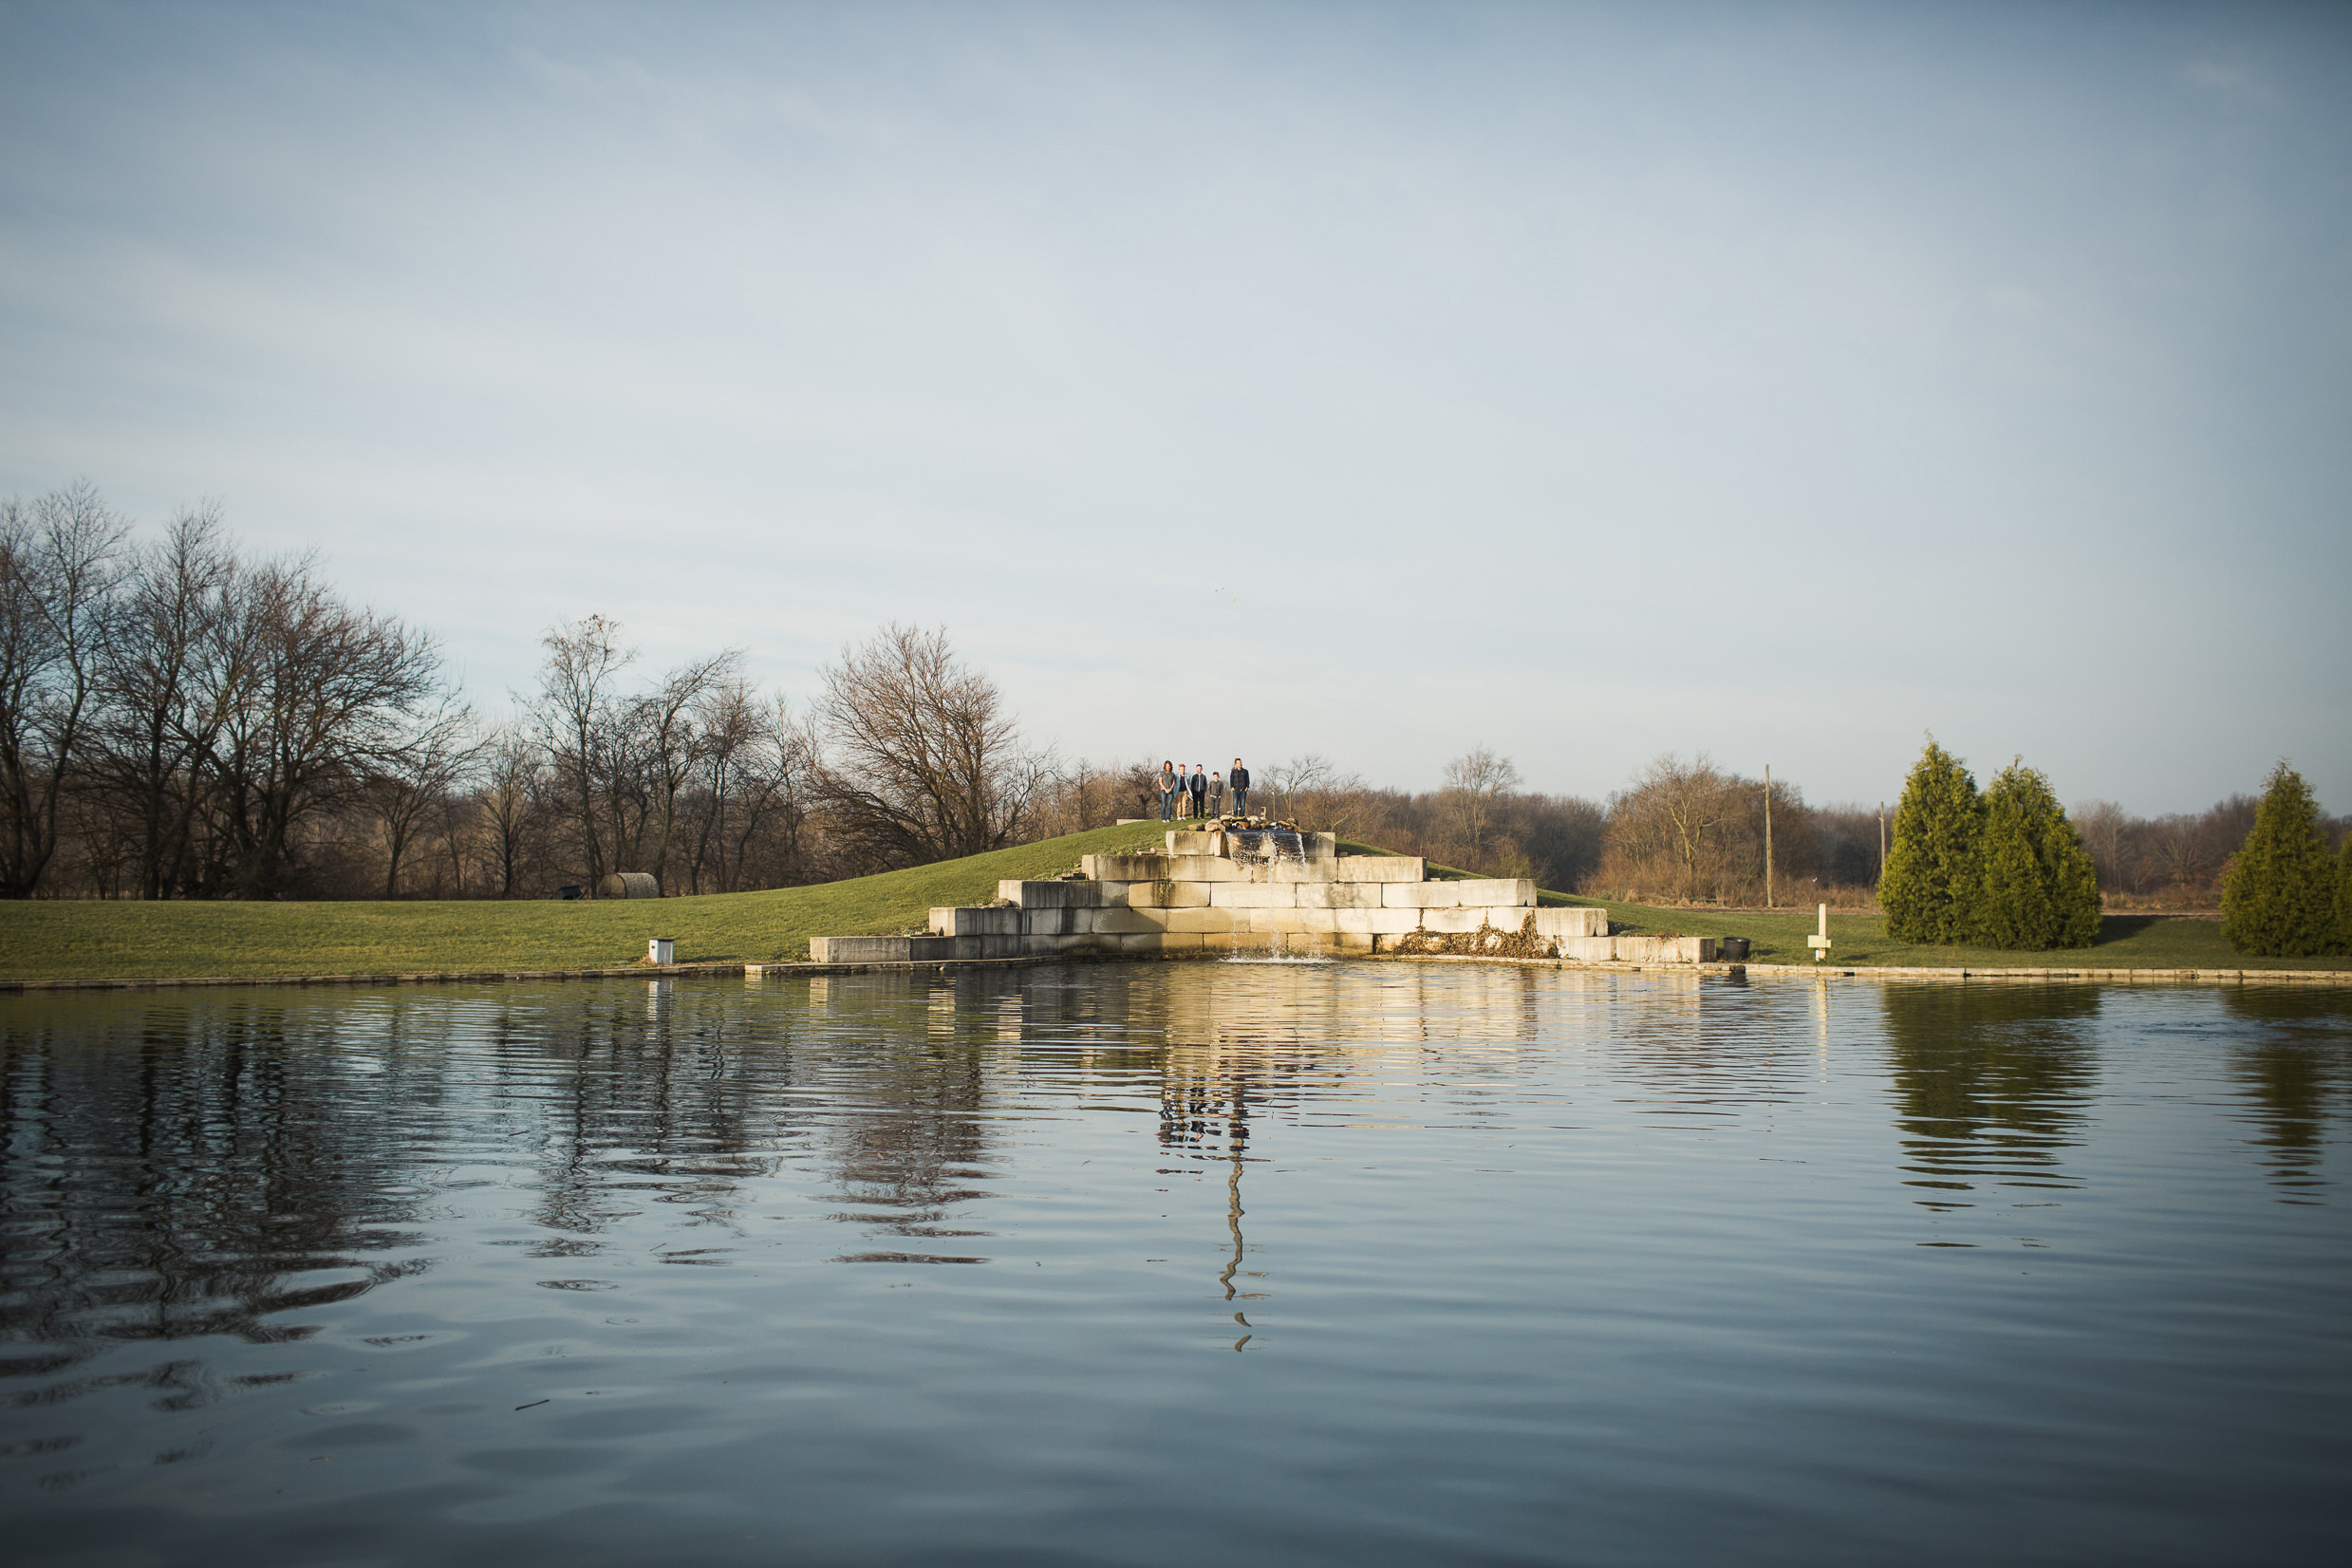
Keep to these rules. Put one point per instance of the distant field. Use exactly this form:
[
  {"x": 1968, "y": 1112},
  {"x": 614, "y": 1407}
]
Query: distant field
[{"x": 98, "y": 940}]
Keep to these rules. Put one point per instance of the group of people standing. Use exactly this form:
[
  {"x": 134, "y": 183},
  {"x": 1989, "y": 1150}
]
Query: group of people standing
[{"x": 1202, "y": 795}]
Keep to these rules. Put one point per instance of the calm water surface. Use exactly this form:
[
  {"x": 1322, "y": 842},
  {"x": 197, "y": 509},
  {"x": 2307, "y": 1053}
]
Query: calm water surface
[{"x": 1168, "y": 1263}]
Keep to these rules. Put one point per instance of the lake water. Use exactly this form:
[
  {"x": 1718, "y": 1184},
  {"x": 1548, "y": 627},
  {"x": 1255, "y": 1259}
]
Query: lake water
[{"x": 1178, "y": 1262}]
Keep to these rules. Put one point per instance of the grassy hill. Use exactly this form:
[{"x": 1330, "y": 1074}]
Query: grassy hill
[
  {"x": 91, "y": 941},
  {"x": 83, "y": 939}
]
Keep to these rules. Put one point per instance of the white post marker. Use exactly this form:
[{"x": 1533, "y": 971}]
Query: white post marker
[
  {"x": 1818, "y": 942},
  {"x": 661, "y": 950}
]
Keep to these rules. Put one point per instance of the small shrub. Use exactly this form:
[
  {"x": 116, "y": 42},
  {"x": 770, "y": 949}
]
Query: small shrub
[
  {"x": 2281, "y": 895},
  {"x": 1932, "y": 868}
]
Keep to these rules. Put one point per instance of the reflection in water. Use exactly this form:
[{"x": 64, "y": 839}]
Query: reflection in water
[
  {"x": 1989, "y": 1081},
  {"x": 2293, "y": 1053},
  {"x": 1570, "y": 1267}
]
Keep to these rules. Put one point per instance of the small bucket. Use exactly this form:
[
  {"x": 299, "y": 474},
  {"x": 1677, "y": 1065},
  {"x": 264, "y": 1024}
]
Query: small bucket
[{"x": 1734, "y": 950}]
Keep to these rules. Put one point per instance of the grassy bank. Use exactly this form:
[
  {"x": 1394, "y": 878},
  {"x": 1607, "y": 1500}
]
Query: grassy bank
[
  {"x": 173, "y": 941},
  {"x": 93, "y": 941}
]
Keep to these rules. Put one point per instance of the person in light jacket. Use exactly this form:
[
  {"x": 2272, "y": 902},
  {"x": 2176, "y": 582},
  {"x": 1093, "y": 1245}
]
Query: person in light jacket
[
  {"x": 1200, "y": 789},
  {"x": 1216, "y": 794},
  {"x": 1238, "y": 781},
  {"x": 1170, "y": 783}
]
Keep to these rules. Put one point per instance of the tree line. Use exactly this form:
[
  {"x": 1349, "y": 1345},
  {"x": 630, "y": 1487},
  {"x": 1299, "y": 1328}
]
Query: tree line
[{"x": 180, "y": 719}]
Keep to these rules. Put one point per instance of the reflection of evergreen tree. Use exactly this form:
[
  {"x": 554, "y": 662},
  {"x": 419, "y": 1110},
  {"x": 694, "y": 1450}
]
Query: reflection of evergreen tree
[
  {"x": 1989, "y": 1079},
  {"x": 2293, "y": 1058}
]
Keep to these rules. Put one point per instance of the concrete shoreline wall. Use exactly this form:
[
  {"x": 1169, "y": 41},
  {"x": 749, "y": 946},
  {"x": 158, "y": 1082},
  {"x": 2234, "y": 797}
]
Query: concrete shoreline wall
[{"x": 1193, "y": 897}]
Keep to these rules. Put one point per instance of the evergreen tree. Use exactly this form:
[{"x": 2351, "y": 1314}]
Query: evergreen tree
[
  {"x": 2279, "y": 897},
  {"x": 2343, "y": 898},
  {"x": 1932, "y": 868},
  {"x": 2035, "y": 887}
]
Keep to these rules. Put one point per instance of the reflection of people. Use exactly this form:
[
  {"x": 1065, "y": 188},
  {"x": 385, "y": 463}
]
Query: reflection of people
[
  {"x": 1170, "y": 782},
  {"x": 1237, "y": 781},
  {"x": 1200, "y": 789},
  {"x": 1216, "y": 794}
]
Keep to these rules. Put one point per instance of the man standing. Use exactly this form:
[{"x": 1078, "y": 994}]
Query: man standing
[
  {"x": 1216, "y": 794},
  {"x": 1200, "y": 789},
  {"x": 1238, "y": 781}
]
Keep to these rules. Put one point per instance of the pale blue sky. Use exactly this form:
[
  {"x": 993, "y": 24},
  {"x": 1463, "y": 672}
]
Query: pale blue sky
[{"x": 1781, "y": 381}]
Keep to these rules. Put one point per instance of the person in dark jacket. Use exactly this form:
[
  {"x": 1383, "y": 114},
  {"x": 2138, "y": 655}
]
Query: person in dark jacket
[
  {"x": 1238, "y": 781},
  {"x": 1216, "y": 794},
  {"x": 1200, "y": 789},
  {"x": 1171, "y": 784}
]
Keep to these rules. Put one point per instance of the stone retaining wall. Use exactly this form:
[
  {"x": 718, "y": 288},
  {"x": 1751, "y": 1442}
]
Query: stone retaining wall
[{"x": 1192, "y": 896}]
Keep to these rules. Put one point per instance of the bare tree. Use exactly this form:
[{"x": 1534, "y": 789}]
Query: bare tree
[
  {"x": 1474, "y": 782},
  {"x": 923, "y": 762},
  {"x": 412, "y": 778},
  {"x": 1675, "y": 811},
  {"x": 167, "y": 696},
  {"x": 513, "y": 779},
  {"x": 576, "y": 719},
  {"x": 325, "y": 690},
  {"x": 666, "y": 744},
  {"x": 60, "y": 563}
]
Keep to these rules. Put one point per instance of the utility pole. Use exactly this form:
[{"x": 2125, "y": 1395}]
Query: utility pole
[
  {"x": 1767, "y": 836},
  {"x": 1882, "y": 841}
]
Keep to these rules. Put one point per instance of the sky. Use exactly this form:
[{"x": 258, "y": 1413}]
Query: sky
[{"x": 1781, "y": 382}]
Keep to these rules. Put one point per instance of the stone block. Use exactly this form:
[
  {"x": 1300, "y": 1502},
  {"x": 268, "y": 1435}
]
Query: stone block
[
  {"x": 1322, "y": 845},
  {"x": 1393, "y": 923},
  {"x": 1253, "y": 895},
  {"x": 1170, "y": 942},
  {"x": 1379, "y": 868},
  {"x": 1418, "y": 895},
  {"x": 1140, "y": 942},
  {"x": 1203, "y": 841},
  {"x": 1197, "y": 921},
  {"x": 1449, "y": 922},
  {"x": 1498, "y": 892},
  {"x": 975, "y": 921},
  {"x": 1344, "y": 895},
  {"x": 1052, "y": 922},
  {"x": 1168, "y": 895},
  {"x": 1589, "y": 949},
  {"x": 1206, "y": 869},
  {"x": 1665, "y": 949},
  {"x": 1575, "y": 920},
  {"x": 1148, "y": 868},
  {"x": 1120, "y": 923},
  {"x": 1062, "y": 895},
  {"x": 859, "y": 949}
]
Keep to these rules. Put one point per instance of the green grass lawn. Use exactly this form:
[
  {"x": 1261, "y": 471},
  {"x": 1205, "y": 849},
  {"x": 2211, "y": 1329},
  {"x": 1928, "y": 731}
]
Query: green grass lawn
[
  {"x": 97, "y": 941},
  {"x": 91, "y": 940}
]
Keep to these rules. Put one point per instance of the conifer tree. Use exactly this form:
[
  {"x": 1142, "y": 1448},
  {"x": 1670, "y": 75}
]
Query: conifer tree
[
  {"x": 1932, "y": 868},
  {"x": 2279, "y": 897},
  {"x": 2343, "y": 898},
  {"x": 2035, "y": 886}
]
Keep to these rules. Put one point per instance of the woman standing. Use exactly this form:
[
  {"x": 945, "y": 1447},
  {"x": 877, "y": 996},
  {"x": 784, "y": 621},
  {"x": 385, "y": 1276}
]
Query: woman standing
[{"x": 1170, "y": 781}]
